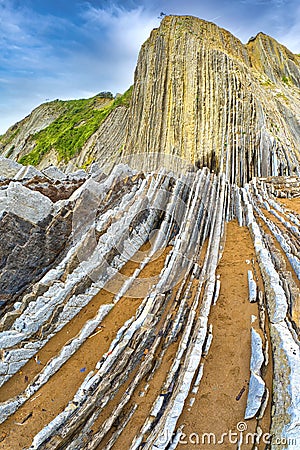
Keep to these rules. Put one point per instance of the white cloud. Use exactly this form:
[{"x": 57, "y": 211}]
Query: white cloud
[
  {"x": 127, "y": 29},
  {"x": 98, "y": 54},
  {"x": 291, "y": 38}
]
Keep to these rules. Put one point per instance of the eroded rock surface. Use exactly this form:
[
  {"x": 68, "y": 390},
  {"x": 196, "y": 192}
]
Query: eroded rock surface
[
  {"x": 202, "y": 95},
  {"x": 199, "y": 94},
  {"x": 64, "y": 261},
  {"x": 109, "y": 278}
]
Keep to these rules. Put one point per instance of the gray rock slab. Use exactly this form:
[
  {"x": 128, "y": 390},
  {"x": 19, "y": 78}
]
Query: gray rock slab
[
  {"x": 252, "y": 287},
  {"x": 257, "y": 356},
  {"x": 286, "y": 383},
  {"x": 255, "y": 396},
  {"x": 30, "y": 205},
  {"x": 8, "y": 167},
  {"x": 27, "y": 172},
  {"x": 10, "y": 338},
  {"x": 78, "y": 175},
  {"x": 55, "y": 173}
]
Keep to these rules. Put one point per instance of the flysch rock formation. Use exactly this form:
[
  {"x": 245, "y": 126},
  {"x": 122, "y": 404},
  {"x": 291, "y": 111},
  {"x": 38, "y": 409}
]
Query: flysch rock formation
[
  {"x": 124, "y": 285},
  {"x": 216, "y": 102},
  {"x": 198, "y": 94}
]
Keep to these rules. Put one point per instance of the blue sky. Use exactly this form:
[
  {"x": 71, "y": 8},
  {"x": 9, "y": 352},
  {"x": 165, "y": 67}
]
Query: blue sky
[{"x": 74, "y": 48}]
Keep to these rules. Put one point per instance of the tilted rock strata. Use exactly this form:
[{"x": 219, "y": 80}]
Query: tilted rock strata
[
  {"x": 36, "y": 228},
  {"x": 256, "y": 385},
  {"x": 200, "y": 98},
  {"x": 188, "y": 214},
  {"x": 15, "y": 142},
  {"x": 22, "y": 139},
  {"x": 200, "y": 94},
  {"x": 106, "y": 144}
]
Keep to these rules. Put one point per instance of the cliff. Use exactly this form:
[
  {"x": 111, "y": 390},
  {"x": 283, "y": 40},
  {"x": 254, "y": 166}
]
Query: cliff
[
  {"x": 202, "y": 95},
  {"x": 199, "y": 94},
  {"x": 65, "y": 133},
  {"x": 149, "y": 302},
  {"x": 137, "y": 305}
]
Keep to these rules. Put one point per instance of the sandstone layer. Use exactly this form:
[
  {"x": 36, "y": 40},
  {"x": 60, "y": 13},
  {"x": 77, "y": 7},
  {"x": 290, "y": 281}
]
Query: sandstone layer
[
  {"x": 202, "y": 95},
  {"x": 152, "y": 300},
  {"x": 199, "y": 94}
]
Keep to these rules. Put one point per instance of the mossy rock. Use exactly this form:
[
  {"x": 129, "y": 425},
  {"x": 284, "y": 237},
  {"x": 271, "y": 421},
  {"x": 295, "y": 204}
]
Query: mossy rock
[{"x": 70, "y": 131}]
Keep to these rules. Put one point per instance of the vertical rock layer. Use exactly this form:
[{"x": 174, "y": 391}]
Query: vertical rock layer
[
  {"x": 202, "y": 95},
  {"x": 115, "y": 275}
]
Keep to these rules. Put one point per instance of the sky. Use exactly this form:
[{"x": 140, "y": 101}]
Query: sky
[{"x": 68, "y": 49}]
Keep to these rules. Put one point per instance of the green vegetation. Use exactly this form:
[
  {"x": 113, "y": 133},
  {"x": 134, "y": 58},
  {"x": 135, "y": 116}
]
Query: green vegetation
[
  {"x": 123, "y": 100},
  {"x": 69, "y": 132},
  {"x": 10, "y": 152},
  {"x": 106, "y": 94},
  {"x": 267, "y": 83},
  {"x": 286, "y": 80},
  {"x": 284, "y": 97},
  {"x": 87, "y": 163}
]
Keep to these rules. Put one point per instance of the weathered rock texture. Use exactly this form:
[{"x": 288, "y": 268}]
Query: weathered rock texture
[
  {"x": 200, "y": 94},
  {"x": 54, "y": 266},
  {"x": 14, "y": 143},
  {"x": 200, "y": 98},
  {"x": 38, "y": 138}
]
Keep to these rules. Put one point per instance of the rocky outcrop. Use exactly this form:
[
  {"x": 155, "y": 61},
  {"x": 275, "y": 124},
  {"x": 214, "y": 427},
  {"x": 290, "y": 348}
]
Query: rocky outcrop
[
  {"x": 54, "y": 268},
  {"x": 137, "y": 248},
  {"x": 202, "y": 95},
  {"x": 257, "y": 385},
  {"x": 199, "y": 94},
  {"x": 32, "y": 206},
  {"x": 274, "y": 60},
  {"x": 8, "y": 168},
  {"x": 106, "y": 144},
  {"x": 28, "y": 250},
  {"x": 15, "y": 142},
  {"x": 69, "y": 134},
  {"x": 35, "y": 225}
]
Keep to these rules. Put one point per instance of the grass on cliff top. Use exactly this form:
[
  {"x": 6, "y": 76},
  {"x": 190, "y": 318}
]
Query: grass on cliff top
[{"x": 69, "y": 132}]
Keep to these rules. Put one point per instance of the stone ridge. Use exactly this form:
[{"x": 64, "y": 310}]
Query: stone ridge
[
  {"x": 267, "y": 55},
  {"x": 12, "y": 143},
  {"x": 130, "y": 309},
  {"x": 75, "y": 273},
  {"x": 202, "y": 95}
]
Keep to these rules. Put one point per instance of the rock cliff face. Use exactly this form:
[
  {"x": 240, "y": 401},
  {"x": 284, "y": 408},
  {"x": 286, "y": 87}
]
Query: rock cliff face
[
  {"x": 14, "y": 144},
  {"x": 156, "y": 304},
  {"x": 200, "y": 94}
]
